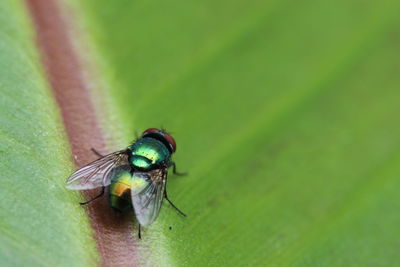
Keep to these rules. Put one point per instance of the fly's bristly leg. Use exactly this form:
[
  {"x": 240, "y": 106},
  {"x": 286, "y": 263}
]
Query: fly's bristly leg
[
  {"x": 139, "y": 233},
  {"x": 174, "y": 171},
  {"x": 172, "y": 204},
  {"x": 96, "y": 197},
  {"x": 96, "y": 152}
]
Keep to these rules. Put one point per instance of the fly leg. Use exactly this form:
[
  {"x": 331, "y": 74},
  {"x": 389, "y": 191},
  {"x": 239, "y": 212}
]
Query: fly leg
[
  {"x": 172, "y": 204},
  {"x": 139, "y": 234},
  {"x": 96, "y": 197},
  {"x": 173, "y": 165},
  {"x": 96, "y": 152}
]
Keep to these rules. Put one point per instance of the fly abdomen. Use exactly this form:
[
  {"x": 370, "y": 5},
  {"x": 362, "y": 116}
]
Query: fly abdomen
[{"x": 120, "y": 192}]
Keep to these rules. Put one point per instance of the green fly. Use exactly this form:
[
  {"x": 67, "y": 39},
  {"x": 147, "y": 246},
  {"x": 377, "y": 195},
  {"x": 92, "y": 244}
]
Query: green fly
[{"x": 136, "y": 176}]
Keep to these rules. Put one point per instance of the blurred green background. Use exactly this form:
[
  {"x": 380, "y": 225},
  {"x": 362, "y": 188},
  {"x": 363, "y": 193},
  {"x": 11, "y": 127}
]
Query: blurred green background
[{"x": 285, "y": 115}]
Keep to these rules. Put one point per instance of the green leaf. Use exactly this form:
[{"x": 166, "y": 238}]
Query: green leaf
[
  {"x": 286, "y": 118},
  {"x": 40, "y": 221}
]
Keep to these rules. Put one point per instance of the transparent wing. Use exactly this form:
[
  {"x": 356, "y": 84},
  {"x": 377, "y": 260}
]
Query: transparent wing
[
  {"x": 99, "y": 172},
  {"x": 147, "y": 192}
]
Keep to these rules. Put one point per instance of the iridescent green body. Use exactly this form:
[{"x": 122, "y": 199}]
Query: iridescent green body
[
  {"x": 120, "y": 187},
  {"x": 146, "y": 154}
]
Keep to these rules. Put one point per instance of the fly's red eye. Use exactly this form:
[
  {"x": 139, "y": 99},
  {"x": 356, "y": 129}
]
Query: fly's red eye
[
  {"x": 171, "y": 141},
  {"x": 151, "y": 130},
  {"x": 162, "y": 136}
]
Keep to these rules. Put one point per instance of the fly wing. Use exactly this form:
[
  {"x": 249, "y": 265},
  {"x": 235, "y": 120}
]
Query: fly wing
[
  {"x": 147, "y": 192},
  {"x": 99, "y": 172}
]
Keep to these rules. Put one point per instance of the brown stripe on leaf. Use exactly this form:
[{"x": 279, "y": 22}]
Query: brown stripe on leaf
[{"x": 113, "y": 231}]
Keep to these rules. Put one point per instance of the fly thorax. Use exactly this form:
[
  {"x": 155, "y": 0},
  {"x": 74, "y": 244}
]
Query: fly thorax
[
  {"x": 148, "y": 152},
  {"x": 141, "y": 162}
]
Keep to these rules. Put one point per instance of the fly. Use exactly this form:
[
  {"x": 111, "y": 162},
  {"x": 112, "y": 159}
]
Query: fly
[{"x": 136, "y": 176}]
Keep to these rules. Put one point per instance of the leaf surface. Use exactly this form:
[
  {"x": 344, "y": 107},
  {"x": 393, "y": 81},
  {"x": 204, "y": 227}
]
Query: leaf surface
[
  {"x": 285, "y": 114},
  {"x": 41, "y": 223}
]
